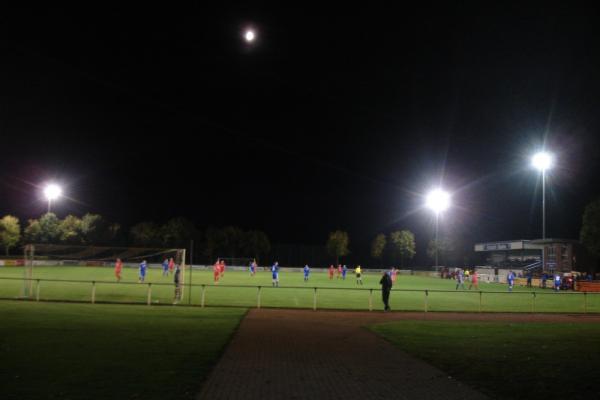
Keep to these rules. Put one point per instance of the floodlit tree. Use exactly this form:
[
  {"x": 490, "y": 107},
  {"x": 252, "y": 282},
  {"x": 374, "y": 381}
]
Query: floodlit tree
[
  {"x": 49, "y": 228},
  {"x": 33, "y": 231},
  {"x": 403, "y": 245},
  {"x": 590, "y": 228},
  {"x": 10, "y": 232},
  {"x": 337, "y": 245},
  {"x": 70, "y": 229},
  {"x": 377, "y": 246},
  {"x": 95, "y": 229}
]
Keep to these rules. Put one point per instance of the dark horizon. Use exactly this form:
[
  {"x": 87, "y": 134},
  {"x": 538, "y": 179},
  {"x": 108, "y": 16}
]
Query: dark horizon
[{"x": 330, "y": 120}]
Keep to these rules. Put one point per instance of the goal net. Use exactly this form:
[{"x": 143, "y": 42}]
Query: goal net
[{"x": 96, "y": 256}]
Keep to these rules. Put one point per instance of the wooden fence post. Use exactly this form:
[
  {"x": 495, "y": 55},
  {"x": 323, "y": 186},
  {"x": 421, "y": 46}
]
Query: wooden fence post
[
  {"x": 149, "y": 302},
  {"x": 202, "y": 296}
]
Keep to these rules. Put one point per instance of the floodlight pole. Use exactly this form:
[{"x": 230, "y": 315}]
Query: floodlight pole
[
  {"x": 191, "y": 266},
  {"x": 437, "y": 217},
  {"x": 544, "y": 203}
]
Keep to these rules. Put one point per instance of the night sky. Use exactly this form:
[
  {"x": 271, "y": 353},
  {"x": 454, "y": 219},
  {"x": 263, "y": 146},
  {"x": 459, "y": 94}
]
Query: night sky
[{"x": 332, "y": 119}]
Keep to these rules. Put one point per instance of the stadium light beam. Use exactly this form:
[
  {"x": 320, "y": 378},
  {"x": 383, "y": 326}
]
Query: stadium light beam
[
  {"x": 543, "y": 161},
  {"x": 438, "y": 201},
  {"x": 52, "y": 192}
]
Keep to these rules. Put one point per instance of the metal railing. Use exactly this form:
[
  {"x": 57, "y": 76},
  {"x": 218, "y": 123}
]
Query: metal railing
[{"x": 196, "y": 295}]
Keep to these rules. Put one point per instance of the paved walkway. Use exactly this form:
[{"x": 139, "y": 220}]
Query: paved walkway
[{"x": 301, "y": 354}]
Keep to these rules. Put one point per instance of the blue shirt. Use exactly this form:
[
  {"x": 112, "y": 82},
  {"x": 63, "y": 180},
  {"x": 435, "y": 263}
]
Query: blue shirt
[
  {"x": 306, "y": 270},
  {"x": 165, "y": 264},
  {"x": 143, "y": 266},
  {"x": 275, "y": 269}
]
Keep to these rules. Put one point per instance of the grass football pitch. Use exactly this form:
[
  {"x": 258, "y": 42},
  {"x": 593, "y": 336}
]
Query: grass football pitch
[
  {"x": 507, "y": 360},
  {"x": 238, "y": 288},
  {"x": 84, "y": 351}
]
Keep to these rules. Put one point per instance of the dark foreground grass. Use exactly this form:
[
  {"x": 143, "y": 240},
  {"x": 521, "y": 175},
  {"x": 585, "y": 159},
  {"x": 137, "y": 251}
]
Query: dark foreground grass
[
  {"x": 507, "y": 360},
  {"x": 74, "y": 351}
]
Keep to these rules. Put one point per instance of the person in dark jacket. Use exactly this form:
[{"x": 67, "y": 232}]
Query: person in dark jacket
[
  {"x": 177, "y": 281},
  {"x": 386, "y": 287}
]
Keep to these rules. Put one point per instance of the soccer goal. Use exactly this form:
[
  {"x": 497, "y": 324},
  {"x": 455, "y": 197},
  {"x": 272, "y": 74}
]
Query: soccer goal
[{"x": 95, "y": 256}]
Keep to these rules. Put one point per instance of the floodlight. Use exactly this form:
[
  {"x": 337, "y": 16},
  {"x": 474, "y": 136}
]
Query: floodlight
[
  {"x": 542, "y": 160},
  {"x": 250, "y": 35},
  {"x": 52, "y": 191},
  {"x": 438, "y": 200}
]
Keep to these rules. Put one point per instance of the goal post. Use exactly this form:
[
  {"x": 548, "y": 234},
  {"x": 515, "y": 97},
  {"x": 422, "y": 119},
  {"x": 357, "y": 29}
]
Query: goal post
[{"x": 95, "y": 256}]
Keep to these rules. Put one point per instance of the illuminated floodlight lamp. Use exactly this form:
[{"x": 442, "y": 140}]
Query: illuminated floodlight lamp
[
  {"x": 249, "y": 35},
  {"x": 542, "y": 161},
  {"x": 52, "y": 192},
  {"x": 438, "y": 200}
]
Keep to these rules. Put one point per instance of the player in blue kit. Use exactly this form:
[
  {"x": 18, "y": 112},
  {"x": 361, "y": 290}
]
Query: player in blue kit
[
  {"x": 275, "y": 273},
  {"x": 306, "y": 273},
  {"x": 344, "y": 271},
  {"x": 143, "y": 267},
  {"x": 511, "y": 280},
  {"x": 165, "y": 266},
  {"x": 253, "y": 268},
  {"x": 557, "y": 282}
]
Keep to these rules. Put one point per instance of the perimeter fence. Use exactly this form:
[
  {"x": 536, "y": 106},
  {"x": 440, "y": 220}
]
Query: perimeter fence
[{"x": 304, "y": 297}]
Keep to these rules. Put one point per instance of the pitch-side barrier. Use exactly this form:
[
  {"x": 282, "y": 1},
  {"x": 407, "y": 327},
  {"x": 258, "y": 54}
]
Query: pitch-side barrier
[{"x": 307, "y": 297}]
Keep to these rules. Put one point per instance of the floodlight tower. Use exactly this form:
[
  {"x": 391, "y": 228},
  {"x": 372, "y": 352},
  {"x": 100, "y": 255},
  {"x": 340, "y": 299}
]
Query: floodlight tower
[
  {"x": 543, "y": 161},
  {"x": 52, "y": 192},
  {"x": 437, "y": 201}
]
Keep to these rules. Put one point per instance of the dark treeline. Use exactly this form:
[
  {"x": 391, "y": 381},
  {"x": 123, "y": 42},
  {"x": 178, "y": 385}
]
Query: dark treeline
[{"x": 397, "y": 248}]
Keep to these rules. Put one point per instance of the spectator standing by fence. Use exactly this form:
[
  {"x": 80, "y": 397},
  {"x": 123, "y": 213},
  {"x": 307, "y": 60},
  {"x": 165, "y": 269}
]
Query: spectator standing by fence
[
  {"x": 386, "y": 287},
  {"x": 177, "y": 281}
]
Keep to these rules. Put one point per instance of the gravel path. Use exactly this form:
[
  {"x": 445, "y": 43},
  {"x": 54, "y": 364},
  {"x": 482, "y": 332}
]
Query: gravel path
[{"x": 302, "y": 354}]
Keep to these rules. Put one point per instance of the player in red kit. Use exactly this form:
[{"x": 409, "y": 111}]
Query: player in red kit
[
  {"x": 171, "y": 265},
  {"x": 118, "y": 269},
  {"x": 331, "y": 269},
  {"x": 339, "y": 271},
  {"x": 217, "y": 271},
  {"x": 222, "y": 267}
]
